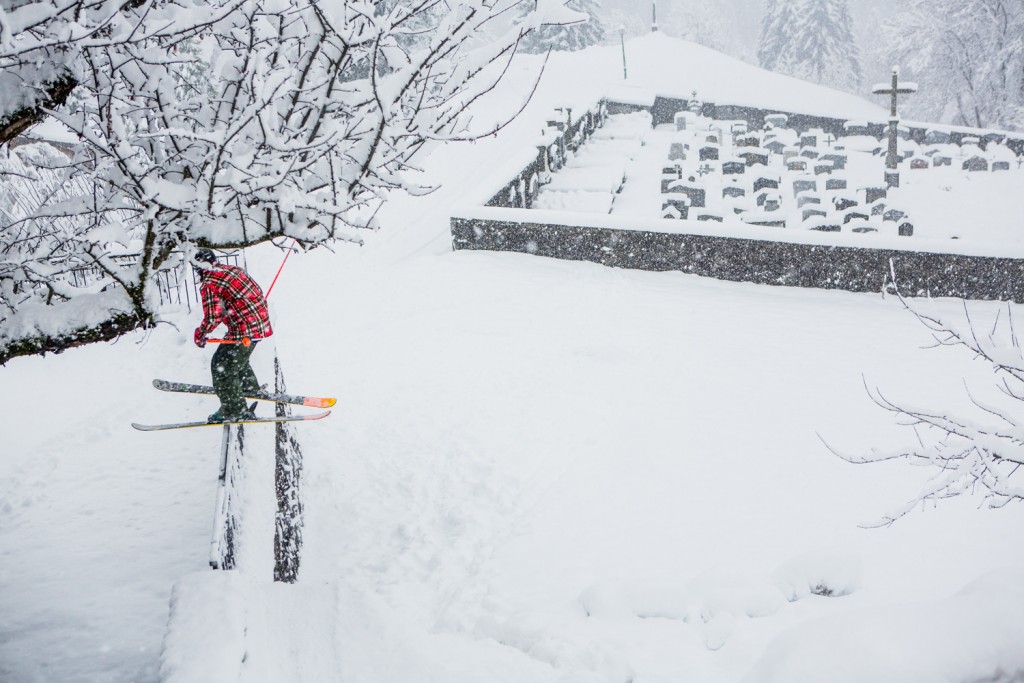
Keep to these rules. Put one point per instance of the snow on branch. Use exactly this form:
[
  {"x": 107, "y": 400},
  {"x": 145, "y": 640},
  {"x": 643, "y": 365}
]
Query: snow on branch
[
  {"x": 222, "y": 123},
  {"x": 981, "y": 452}
]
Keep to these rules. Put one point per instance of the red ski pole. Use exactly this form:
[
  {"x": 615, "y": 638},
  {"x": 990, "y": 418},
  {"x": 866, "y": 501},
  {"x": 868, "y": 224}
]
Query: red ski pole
[{"x": 274, "y": 282}]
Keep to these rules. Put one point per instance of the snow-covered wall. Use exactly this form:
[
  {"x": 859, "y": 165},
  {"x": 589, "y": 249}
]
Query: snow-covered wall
[{"x": 826, "y": 261}]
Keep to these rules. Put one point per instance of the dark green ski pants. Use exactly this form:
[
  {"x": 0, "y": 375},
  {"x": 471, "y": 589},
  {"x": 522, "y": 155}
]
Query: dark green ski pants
[{"x": 233, "y": 377}]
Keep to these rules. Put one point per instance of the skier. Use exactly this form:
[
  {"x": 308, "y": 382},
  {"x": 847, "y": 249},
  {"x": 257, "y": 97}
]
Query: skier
[{"x": 233, "y": 298}]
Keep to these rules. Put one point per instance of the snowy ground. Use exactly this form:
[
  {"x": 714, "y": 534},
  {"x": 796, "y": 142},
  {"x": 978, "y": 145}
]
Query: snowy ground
[{"x": 537, "y": 470}]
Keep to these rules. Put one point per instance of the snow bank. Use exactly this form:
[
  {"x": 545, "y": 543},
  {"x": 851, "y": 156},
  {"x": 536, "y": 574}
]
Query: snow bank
[
  {"x": 714, "y": 600},
  {"x": 974, "y": 635},
  {"x": 205, "y": 639}
]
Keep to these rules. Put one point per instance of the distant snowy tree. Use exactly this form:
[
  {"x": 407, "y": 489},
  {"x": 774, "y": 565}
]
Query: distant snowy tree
[
  {"x": 570, "y": 36},
  {"x": 777, "y": 43},
  {"x": 812, "y": 40},
  {"x": 220, "y": 123},
  {"x": 967, "y": 56},
  {"x": 979, "y": 451}
]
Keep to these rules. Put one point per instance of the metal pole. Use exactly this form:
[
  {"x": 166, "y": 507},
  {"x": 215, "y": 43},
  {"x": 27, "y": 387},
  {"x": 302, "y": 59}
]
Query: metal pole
[
  {"x": 622, "y": 38},
  {"x": 654, "y": 16}
]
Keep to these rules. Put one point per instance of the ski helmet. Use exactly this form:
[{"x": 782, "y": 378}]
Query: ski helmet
[{"x": 204, "y": 256}]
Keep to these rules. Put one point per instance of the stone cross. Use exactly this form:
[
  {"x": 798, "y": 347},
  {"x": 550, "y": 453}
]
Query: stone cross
[
  {"x": 829, "y": 139},
  {"x": 892, "y": 176}
]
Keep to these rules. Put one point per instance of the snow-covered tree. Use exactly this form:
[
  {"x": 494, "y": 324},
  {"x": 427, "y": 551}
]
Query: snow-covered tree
[
  {"x": 219, "y": 123},
  {"x": 777, "y": 44},
  {"x": 569, "y": 36},
  {"x": 967, "y": 56},
  {"x": 969, "y": 451},
  {"x": 812, "y": 40}
]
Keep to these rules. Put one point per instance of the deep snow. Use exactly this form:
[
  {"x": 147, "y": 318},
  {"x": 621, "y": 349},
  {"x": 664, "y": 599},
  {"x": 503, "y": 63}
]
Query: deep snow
[{"x": 537, "y": 470}]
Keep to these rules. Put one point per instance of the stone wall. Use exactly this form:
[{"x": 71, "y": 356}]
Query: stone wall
[
  {"x": 750, "y": 260},
  {"x": 664, "y": 110},
  {"x": 567, "y": 133}
]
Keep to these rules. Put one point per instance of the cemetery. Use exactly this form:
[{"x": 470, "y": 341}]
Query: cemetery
[{"x": 776, "y": 198}]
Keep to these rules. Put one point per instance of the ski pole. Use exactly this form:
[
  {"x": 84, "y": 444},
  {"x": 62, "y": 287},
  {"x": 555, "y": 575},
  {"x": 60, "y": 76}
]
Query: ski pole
[
  {"x": 286, "y": 255},
  {"x": 244, "y": 341}
]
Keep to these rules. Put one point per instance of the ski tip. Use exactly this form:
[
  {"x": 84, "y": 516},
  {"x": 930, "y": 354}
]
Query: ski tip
[{"x": 319, "y": 402}]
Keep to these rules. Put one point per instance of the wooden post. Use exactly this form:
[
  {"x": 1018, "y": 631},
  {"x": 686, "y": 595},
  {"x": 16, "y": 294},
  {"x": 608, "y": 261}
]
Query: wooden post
[{"x": 892, "y": 175}]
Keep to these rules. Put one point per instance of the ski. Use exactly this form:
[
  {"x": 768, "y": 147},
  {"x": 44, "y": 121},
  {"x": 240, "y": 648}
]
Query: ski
[
  {"x": 310, "y": 401},
  {"x": 256, "y": 420}
]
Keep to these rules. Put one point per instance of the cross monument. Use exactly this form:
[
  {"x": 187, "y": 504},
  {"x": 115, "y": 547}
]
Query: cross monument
[{"x": 892, "y": 175}]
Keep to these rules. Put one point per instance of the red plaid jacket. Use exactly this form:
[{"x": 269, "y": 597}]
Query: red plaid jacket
[{"x": 231, "y": 297}]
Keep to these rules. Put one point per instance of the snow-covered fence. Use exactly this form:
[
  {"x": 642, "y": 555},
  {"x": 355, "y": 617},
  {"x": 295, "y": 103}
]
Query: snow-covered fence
[
  {"x": 287, "y": 478},
  {"x": 226, "y": 526},
  {"x": 809, "y": 259},
  {"x": 563, "y": 137},
  {"x": 178, "y": 286}
]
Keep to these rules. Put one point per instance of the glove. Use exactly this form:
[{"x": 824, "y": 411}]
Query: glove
[{"x": 200, "y": 337}]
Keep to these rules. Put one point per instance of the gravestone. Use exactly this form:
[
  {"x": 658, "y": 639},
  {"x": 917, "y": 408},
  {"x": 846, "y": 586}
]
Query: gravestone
[
  {"x": 804, "y": 186},
  {"x": 873, "y": 194},
  {"x": 772, "y": 202},
  {"x": 796, "y": 165},
  {"x": 677, "y": 151},
  {"x": 695, "y": 195},
  {"x": 752, "y": 158},
  {"x": 844, "y": 203},
  {"x": 827, "y": 227},
  {"x": 864, "y": 229},
  {"x": 776, "y": 120},
  {"x": 822, "y": 169},
  {"x": 709, "y": 153},
  {"x": 941, "y": 159},
  {"x": 790, "y": 153},
  {"x": 857, "y": 128},
  {"x": 919, "y": 163},
  {"x": 835, "y": 184},
  {"x": 712, "y": 139},
  {"x": 975, "y": 163},
  {"x": 838, "y": 160},
  {"x": 812, "y": 213},
  {"x": 748, "y": 140},
  {"x": 776, "y": 147},
  {"x": 893, "y": 215},
  {"x": 765, "y": 182},
  {"x": 936, "y": 137},
  {"x": 906, "y": 229},
  {"x": 805, "y": 199},
  {"x": 671, "y": 213},
  {"x": 679, "y": 205},
  {"x": 733, "y": 191},
  {"x": 809, "y": 140},
  {"x": 680, "y": 120},
  {"x": 764, "y": 221},
  {"x": 733, "y": 168},
  {"x": 1000, "y": 165},
  {"x": 855, "y": 215},
  {"x": 878, "y": 209},
  {"x": 710, "y": 216}
]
